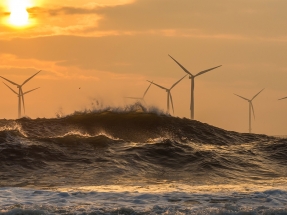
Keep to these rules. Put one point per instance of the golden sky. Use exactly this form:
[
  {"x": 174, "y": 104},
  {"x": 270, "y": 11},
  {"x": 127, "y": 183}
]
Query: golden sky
[{"x": 110, "y": 48}]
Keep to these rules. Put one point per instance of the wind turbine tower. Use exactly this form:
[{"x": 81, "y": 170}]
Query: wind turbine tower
[
  {"x": 20, "y": 92},
  {"x": 250, "y": 107},
  {"x": 169, "y": 96},
  {"x": 191, "y": 77}
]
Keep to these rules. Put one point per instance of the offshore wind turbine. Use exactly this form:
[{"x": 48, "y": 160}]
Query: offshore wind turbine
[
  {"x": 141, "y": 98},
  {"x": 20, "y": 92},
  {"x": 250, "y": 107},
  {"x": 21, "y": 95},
  {"x": 169, "y": 96},
  {"x": 191, "y": 77}
]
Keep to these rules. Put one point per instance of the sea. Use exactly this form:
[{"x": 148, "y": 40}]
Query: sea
[{"x": 138, "y": 160}]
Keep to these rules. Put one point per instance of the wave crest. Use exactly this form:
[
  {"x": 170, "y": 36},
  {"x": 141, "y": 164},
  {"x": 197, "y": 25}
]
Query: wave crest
[
  {"x": 132, "y": 108},
  {"x": 14, "y": 126}
]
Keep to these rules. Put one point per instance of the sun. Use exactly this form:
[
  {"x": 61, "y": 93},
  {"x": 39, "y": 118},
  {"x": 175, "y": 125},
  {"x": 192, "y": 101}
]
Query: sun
[{"x": 19, "y": 16}]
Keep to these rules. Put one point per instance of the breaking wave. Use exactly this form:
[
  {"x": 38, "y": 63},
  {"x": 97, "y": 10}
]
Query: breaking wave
[
  {"x": 137, "y": 160},
  {"x": 138, "y": 144}
]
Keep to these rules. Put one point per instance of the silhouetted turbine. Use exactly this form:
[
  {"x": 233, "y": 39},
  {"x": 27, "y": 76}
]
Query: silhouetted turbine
[
  {"x": 191, "y": 77},
  {"x": 250, "y": 107},
  {"x": 169, "y": 96},
  {"x": 20, "y": 93},
  {"x": 283, "y": 98},
  {"x": 140, "y": 98}
]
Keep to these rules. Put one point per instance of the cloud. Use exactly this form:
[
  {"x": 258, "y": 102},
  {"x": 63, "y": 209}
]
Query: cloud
[
  {"x": 15, "y": 66},
  {"x": 223, "y": 16},
  {"x": 122, "y": 40},
  {"x": 40, "y": 11},
  {"x": 179, "y": 18},
  {"x": 146, "y": 56}
]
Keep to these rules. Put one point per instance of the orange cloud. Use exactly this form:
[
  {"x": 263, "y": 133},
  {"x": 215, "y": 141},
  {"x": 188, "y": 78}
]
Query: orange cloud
[
  {"x": 50, "y": 69},
  {"x": 184, "y": 18}
]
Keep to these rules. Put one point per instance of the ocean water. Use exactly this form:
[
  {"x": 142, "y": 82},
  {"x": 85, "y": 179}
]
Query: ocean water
[{"x": 138, "y": 161}]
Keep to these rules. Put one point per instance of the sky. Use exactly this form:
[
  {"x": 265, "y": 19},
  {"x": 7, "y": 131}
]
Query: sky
[{"x": 104, "y": 50}]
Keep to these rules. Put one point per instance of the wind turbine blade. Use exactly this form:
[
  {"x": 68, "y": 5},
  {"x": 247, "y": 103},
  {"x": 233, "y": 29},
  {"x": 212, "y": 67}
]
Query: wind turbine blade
[
  {"x": 181, "y": 66},
  {"x": 9, "y": 81},
  {"x": 31, "y": 90},
  {"x": 204, "y": 71},
  {"x": 252, "y": 110},
  {"x": 157, "y": 85},
  {"x": 22, "y": 96},
  {"x": 171, "y": 102},
  {"x": 177, "y": 82},
  {"x": 241, "y": 97},
  {"x": 147, "y": 89},
  {"x": 30, "y": 78},
  {"x": 257, "y": 94},
  {"x": 11, "y": 89},
  {"x": 132, "y": 98},
  {"x": 283, "y": 98}
]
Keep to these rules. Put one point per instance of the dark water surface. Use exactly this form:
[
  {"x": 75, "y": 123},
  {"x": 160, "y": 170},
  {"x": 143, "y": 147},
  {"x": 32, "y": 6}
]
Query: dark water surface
[
  {"x": 109, "y": 147},
  {"x": 138, "y": 161}
]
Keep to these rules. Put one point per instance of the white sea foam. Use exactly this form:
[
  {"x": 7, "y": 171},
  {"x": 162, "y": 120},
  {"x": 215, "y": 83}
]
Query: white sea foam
[
  {"x": 148, "y": 199},
  {"x": 136, "y": 107},
  {"x": 13, "y": 127},
  {"x": 85, "y": 135}
]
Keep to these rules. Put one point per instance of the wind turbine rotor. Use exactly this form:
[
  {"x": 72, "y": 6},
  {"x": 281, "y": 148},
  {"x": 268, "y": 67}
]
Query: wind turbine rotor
[
  {"x": 30, "y": 78},
  {"x": 158, "y": 85},
  {"x": 250, "y": 107},
  {"x": 171, "y": 102},
  {"x": 207, "y": 70},
  {"x": 241, "y": 97},
  {"x": 257, "y": 94},
  {"x": 10, "y": 81},
  {"x": 31, "y": 90},
  {"x": 147, "y": 89},
  {"x": 181, "y": 66},
  {"x": 11, "y": 89},
  {"x": 20, "y": 94},
  {"x": 177, "y": 82}
]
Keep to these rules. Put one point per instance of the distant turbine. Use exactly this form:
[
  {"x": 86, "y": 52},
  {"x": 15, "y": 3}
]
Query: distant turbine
[
  {"x": 283, "y": 98},
  {"x": 191, "y": 77},
  {"x": 168, "y": 92},
  {"x": 250, "y": 107},
  {"x": 20, "y": 93},
  {"x": 140, "y": 98}
]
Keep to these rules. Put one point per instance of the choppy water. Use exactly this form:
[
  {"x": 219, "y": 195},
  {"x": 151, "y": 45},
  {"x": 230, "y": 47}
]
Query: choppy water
[{"x": 138, "y": 161}]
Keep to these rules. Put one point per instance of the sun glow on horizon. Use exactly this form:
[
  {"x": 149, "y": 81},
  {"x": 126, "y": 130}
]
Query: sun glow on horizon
[{"x": 19, "y": 17}]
